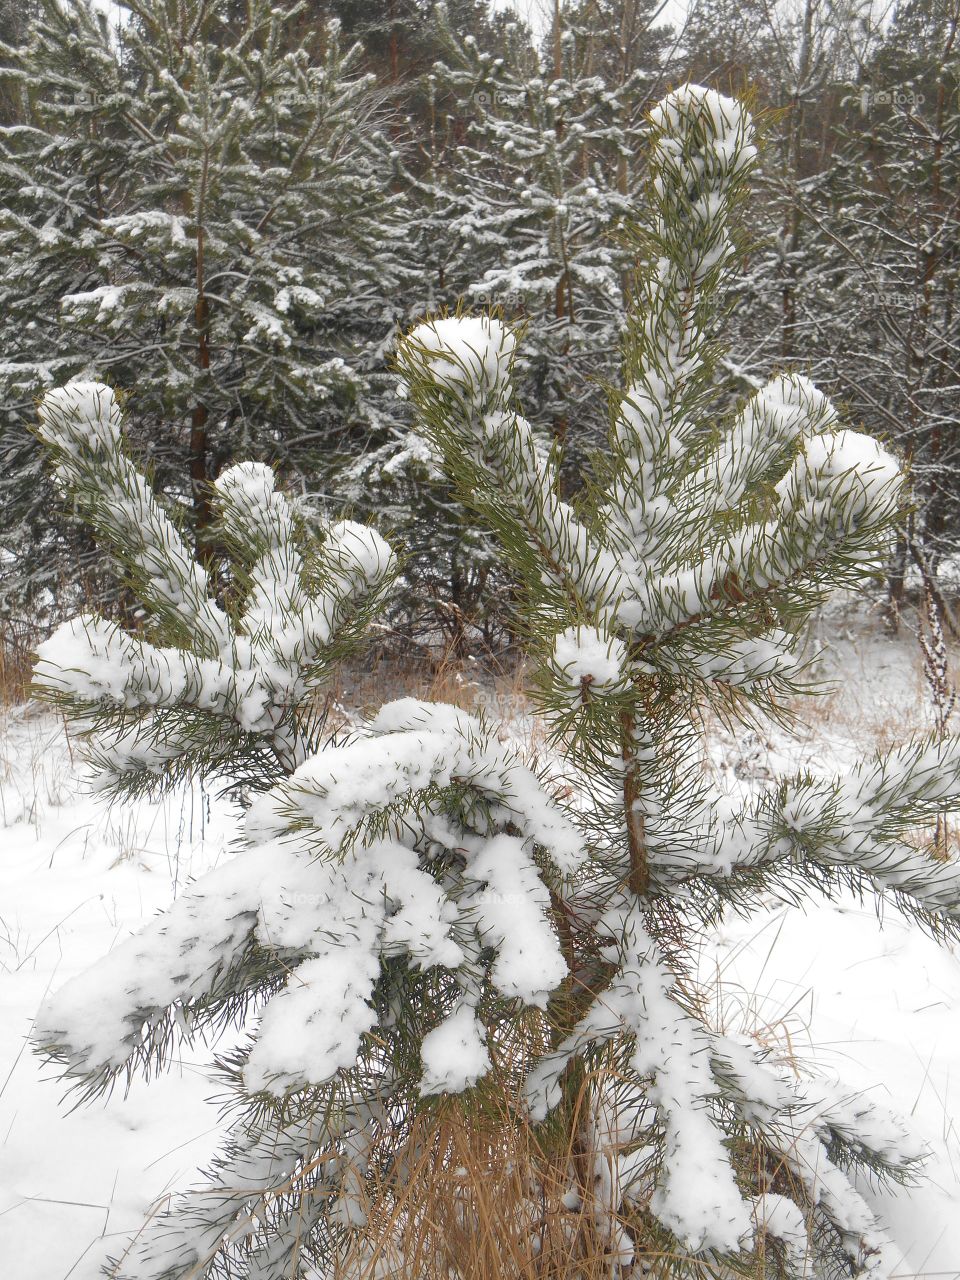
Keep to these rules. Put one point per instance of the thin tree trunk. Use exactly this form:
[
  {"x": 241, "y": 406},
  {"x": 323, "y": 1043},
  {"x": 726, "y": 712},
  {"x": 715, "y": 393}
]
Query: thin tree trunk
[
  {"x": 794, "y": 158},
  {"x": 394, "y": 44},
  {"x": 199, "y": 437},
  {"x": 639, "y": 878},
  {"x": 896, "y": 584},
  {"x": 199, "y": 442}
]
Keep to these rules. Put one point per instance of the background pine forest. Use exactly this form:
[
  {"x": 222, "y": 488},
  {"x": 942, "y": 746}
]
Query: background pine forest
[{"x": 230, "y": 211}]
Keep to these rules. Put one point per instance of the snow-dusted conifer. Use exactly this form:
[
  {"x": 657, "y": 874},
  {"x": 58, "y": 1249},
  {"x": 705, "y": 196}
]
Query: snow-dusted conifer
[
  {"x": 201, "y": 213},
  {"x": 541, "y": 189},
  {"x": 522, "y": 181},
  {"x": 682, "y": 581}
]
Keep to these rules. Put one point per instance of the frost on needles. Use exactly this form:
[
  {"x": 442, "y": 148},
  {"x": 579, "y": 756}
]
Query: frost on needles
[{"x": 411, "y": 898}]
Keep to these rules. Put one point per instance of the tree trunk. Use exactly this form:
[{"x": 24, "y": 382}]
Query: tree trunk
[{"x": 199, "y": 442}]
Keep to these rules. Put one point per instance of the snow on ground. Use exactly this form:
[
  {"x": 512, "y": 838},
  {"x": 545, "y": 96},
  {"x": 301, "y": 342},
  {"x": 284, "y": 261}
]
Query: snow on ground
[
  {"x": 73, "y": 880},
  {"x": 879, "y": 1010},
  {"x": 879, "y": 1007},
  {"x": 865, "y": 996}
]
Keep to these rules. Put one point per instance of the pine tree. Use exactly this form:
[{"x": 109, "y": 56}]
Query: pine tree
[
  {"x": 897, "y": 231},
  {"x": 542, "y": 192},
  {"x": 680, "y": 582},
  {"x": 13, "y": 21},
  {"x": 403, "y": 38},
  {"x": 204, "y": 215},
  {"x": 452, "y": 595},
  {"x": 522, "y": 175},
  {"x": 732, "y": 46},
  {"x": 412, "y": 907},
  {"x": 855, "y": 263},
  {"x": 615, "y": 39}
]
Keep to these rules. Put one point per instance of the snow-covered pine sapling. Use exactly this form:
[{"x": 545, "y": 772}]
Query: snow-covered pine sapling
[
  {"x": 390, "y": 915},
  {"x": 679, "y": 582}
]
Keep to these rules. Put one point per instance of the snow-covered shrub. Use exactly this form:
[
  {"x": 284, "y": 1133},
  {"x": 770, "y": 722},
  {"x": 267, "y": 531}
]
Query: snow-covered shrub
[{"x": 409, "y": 897}]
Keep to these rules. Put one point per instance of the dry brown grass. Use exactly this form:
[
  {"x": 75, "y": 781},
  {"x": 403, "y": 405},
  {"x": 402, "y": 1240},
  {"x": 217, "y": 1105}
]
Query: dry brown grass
[
  {"x": 482, "y": 1197},
  {"x": 495, "y": 689},
  {"x": 383, "y": 673},
  {"x": 16, "y": 663}
]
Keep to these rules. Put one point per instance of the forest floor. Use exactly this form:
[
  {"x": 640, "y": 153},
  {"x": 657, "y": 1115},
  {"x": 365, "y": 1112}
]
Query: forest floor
[{"x": 872, "y": 1001}]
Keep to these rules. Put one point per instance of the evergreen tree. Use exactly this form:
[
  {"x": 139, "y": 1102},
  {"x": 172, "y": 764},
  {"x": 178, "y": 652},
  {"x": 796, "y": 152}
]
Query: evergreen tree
[
  {"x": 412, "y": 906},
  {"x": 614, "y": 39},
  {"x": 857, "y": 265},
  {"x": 539, "y": 179},
  {"x": 14, "y": 19},
  {"x": 403, "y": 38},
  {"x": 731, "y": 46},
  {"x": 522, "y": 178},
  {"x": 897, "y": 226},
  {"x": 204, "y": 216},
  {"x": 680, "y": 582},
  {"x": 452, "y": 595}
]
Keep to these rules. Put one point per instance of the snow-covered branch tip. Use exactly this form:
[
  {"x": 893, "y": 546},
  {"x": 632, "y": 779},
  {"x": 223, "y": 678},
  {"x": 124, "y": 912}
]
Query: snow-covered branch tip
[
  {"x": 468, "y": 359},
  {"x": 81, "y": 424},
  {"x": 331, "y": 923},
  {"x": 244, "y": 671}
]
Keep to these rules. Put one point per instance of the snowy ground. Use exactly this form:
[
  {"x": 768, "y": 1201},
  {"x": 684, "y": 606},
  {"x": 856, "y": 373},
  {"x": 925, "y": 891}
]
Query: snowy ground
[
  {"x": 874, "y": 1002},
  {"x": 879, "y": 1006},
  {"x": 73, "y": 880}
]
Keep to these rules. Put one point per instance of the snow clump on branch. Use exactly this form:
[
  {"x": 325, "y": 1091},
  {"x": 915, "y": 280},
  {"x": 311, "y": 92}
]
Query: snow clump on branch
[{"x": 467, "y": 355}]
